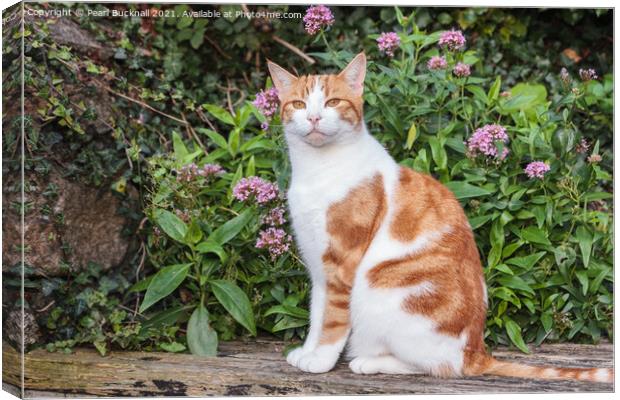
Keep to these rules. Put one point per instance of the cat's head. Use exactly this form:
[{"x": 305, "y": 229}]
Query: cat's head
[{"x": 321, "y": 109}]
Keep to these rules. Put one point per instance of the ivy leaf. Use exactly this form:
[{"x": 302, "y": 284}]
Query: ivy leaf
[
  {"x": 174, "y": 347},
  {"x": 197, "y": 38}
]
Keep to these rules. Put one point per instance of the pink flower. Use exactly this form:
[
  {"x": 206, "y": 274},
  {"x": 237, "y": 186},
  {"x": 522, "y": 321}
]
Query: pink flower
[
  {"x": 189, "y": 172},
  {"x": 208, "y": 170},
  {"x": 452, "y": 40},
  {"x": 263, "y": 191},
  {"x": 388, "y": 42},
  {"x": 595, "y": 159},
  {"x": 461, "y": 70},
  {"x": 276, "y": 240},
  {"x": 317, "y": 18},
  {"x": 564, "y": 76},
  {"x": 582, "y": 147},
  {"x": 536, "y": 169},
  {"x": 267, "y": 101},
  {"x": 587, "y": 74},
  {"x": 484, "y": 141},
  {"x": 437, "y": 63},
  {"x": 275, "y": 217}
]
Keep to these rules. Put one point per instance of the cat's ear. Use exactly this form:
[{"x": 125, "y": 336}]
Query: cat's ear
[
  {"x": 282, "y": 79},
  {"x": 354, "y": 74}
]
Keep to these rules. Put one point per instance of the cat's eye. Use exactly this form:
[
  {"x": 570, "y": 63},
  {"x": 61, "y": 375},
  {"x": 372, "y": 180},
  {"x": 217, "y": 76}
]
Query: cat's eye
[
  {"x": 333, "y": 102},
  {"x": 299, "y": 105}
]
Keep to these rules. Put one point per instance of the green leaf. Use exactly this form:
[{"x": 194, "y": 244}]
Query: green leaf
[
  {"x": 219, "y": 113},
  {"x": 514, "y": 333},
  {"x": 164, "y": 282},
  {"x": 101, "y": 347},
  {"x": 168, "y": 317},
  {"x": 438, "y": 153},
  {"x": 171, "y": 224},
  {"x": 525, "y": 97},
  {"x": 180, "y": 151},
  {"x": 236, "y": 302},
  {"x": 515, "y": 282},
  {"x": 288, "y": 323},
  {"x": 209, "y": 246},
  {"x": 582, "y": 277},
  {"x": 194, "y": 233},
  {"x": 411, "y": 136},
  {"x": 197, "y": 38},
  {"x": 585, "y": 244},
  {"x": 218, "y": 139},
  {"x": 535, "y": 235},
  {"x": 477, "y": 222},
  {"x": 201, "y": 338},
  {"x": 494, "y": 90},
  {"x": 478, "y": 93},
  {"x": 464, "y": 190},
  {"x": 526, "y": 262},
  {"x": 174, "y": 347},
  {"x": 547, "y": 321},
  {"x": 288, "y": 310},
  {"x": 231, "y": 228},
  {"x": 142, "y": 285}
]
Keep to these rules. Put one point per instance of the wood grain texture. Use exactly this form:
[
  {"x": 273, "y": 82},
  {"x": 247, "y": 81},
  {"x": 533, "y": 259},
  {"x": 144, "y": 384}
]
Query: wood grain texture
[{"x": 258, "y": 368}]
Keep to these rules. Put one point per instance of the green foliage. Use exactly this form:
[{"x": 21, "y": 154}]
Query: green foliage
[{"x": 545, "y": 244}]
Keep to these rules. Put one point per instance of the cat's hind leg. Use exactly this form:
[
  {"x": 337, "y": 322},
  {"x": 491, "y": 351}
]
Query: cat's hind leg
[{"x": 383, "y": 364}]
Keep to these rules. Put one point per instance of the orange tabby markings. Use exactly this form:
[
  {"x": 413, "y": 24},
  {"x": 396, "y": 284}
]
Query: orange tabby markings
[
  {"x": 350, "y": 107},
  {"x": 423, "y": 205},
  {"x": 351, "y": 224},
  {"x": 450, "y": 265}
]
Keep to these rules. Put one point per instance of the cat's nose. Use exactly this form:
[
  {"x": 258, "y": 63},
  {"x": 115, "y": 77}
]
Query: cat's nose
[{"x": 314, "y": 119}]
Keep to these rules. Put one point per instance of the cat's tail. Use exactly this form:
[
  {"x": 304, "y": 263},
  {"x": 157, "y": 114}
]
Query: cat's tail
[{"x": 484, "y": 364}]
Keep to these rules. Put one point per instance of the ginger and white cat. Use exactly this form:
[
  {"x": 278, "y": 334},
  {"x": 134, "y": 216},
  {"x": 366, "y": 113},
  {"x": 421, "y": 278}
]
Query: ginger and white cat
[{"x": 395, "y": 270}]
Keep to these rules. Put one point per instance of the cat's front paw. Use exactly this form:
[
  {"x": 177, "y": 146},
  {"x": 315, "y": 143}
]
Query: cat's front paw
[
  {"x": 295, "y": 354},
  {"x": 315, "y": 361}
]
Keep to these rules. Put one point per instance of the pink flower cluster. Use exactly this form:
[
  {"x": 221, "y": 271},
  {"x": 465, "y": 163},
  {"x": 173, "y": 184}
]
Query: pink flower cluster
[
  {"x": 437, "y": 63},
  {"x": 267, "y": 101},
  {"x": 484, "y": 141},
  {"x": 275, "y": 217},
  {"x": 587, "y": 74},
  {"x": 536, "y": 169},
  {"x": 461, "y": 70},
  {"x": 189, "y": 172},
  {"x": 276, "y": 240},
  {"x": 317, "y": 18},
  {"x": 452, "y": 40},
  {"x": 262, "y": 190},
  {"x": 582, "y": 146},
  {"x": 388, "y": 42}
]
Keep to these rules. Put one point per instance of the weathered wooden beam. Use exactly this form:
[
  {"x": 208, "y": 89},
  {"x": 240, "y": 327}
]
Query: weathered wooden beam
[{"x": 258, "y": 368}]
